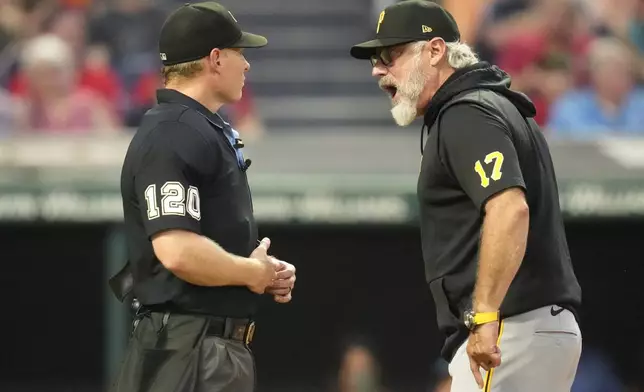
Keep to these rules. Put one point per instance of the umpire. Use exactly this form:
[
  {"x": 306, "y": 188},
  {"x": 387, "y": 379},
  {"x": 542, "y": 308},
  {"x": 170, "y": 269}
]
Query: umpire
[
  {"x": 194, "y": 259},
  {"x": 493, "y": 238}
]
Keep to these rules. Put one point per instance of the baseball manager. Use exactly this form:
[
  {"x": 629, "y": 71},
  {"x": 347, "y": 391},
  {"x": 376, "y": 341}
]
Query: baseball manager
[{"x": 493, "y": 238}]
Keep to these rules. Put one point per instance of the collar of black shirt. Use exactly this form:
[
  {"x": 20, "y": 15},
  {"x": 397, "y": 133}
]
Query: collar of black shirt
[{"x": 174, "y": 96}]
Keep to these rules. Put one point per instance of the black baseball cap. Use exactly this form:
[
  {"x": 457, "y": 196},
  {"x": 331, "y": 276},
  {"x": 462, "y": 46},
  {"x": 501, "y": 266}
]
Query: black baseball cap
[
  {"x": 193, "y": 30},
  {"x": 409, "y": 21}
]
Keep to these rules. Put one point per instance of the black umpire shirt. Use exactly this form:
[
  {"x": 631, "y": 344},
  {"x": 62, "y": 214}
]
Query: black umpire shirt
[
  {"x": 183, "y": 172},
  {"x": 481, "y": 141}
]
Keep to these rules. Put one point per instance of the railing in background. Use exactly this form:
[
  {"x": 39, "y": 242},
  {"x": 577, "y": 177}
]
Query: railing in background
[{"x": 339, "y": 177}]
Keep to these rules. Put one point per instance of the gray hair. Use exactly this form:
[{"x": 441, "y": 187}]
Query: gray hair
[{"x": 459, "y": 54}]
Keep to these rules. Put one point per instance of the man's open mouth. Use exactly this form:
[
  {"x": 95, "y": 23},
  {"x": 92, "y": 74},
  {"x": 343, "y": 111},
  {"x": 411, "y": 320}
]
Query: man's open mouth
[{"x": 391, "y": 90}]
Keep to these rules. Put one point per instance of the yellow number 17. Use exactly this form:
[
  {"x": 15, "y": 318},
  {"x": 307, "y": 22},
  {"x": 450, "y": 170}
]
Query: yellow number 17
[{"x": 495, "y": 156}]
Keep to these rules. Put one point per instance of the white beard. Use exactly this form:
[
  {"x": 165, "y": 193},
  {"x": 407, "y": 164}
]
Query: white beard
[{"x": 405, "y": 110}]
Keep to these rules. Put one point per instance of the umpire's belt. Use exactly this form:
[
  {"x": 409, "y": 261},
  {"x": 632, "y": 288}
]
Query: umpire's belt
[{"x": 228, "y": 328}]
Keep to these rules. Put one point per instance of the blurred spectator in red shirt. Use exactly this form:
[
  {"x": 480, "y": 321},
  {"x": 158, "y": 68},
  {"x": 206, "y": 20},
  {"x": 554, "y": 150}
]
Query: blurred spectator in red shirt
[
  {"x": 92, "y": 63},
  {"x": 54, "y": 103},
  {"x": 501, "y": 21},
  {"x": 563, "y": 32},
  {"x": 551, "y": 57}
]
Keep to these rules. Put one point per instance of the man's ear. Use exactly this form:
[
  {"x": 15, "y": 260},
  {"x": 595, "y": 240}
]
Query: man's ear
[
  {"x": 214, "y": 59},
  {"x": 438, "y": 49}
]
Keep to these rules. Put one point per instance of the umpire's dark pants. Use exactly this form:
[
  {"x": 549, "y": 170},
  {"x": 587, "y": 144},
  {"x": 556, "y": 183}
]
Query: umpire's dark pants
[{"x": 184, "y": 353}]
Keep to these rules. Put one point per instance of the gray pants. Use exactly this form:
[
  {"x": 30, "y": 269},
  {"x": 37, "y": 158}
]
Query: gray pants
[
  {"x": 540, "y": 352},
  {"x": 182, "y": 357},
  {"x": 226, "y": 365}
]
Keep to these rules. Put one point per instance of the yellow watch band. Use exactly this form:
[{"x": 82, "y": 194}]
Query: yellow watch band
[{"x": 486, "y": 317}]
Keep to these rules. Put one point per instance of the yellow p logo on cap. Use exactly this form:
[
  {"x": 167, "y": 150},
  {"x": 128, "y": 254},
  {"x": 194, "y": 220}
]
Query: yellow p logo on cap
[{"x": 380, "y": 19}]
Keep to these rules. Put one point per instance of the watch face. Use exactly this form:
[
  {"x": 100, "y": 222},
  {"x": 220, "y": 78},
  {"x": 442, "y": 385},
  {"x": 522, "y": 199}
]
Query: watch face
[{"x": 469, "y": 320}]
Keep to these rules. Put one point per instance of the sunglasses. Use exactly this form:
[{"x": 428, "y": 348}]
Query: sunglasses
[{"x": 383, "y": 55}]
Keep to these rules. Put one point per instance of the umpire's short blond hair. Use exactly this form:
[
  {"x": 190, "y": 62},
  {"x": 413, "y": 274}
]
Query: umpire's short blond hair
[{"x": 181, "y": 71}]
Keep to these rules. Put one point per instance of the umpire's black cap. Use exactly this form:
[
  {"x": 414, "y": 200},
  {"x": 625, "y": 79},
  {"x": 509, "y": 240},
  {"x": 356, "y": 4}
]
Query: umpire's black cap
[
  {"x": 193, "y": 30},
  {"x": 409, "y": 21}
]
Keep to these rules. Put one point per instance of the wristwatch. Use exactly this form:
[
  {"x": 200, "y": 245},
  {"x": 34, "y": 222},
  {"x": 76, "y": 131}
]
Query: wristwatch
[{"x": 472, "y": 319}]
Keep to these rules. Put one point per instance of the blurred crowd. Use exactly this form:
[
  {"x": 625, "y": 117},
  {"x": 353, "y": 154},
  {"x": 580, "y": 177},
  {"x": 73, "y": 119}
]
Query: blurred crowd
[
  {"x": 581, "y": 61},
  {"x": 83, "y": 66},
  {"x": 77, "y": 66}
]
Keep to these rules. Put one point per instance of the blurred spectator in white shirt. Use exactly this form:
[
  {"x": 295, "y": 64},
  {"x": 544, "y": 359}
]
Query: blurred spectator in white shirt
[
  {"x": 54, "y": 102},
  {"x": 20, "y": 20},
  {"x": 612, "y": 104},
  {"x": 92, "y": 63}
]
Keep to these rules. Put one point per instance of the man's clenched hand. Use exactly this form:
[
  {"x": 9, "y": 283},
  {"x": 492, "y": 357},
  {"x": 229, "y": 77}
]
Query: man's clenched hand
[{"x": 282, "y": 287}]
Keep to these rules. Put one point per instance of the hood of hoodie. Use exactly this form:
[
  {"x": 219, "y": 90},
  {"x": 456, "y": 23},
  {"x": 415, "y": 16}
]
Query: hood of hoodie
[{"x": 481, "y": 76}]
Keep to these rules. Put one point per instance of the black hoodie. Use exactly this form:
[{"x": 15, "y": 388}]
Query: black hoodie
[{"x": 482, "y": 140}]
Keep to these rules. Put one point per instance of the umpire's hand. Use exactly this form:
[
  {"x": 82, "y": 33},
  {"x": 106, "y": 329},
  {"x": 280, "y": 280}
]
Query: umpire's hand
[
  {"x": 266, "y": 268},
  {"x": 483, "y": 350},
  {"x": 282, "y": 287}
]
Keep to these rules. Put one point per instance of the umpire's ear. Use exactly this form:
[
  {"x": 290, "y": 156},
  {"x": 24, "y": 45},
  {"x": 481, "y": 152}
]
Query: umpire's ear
[{"x": 214, "y": 59}]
